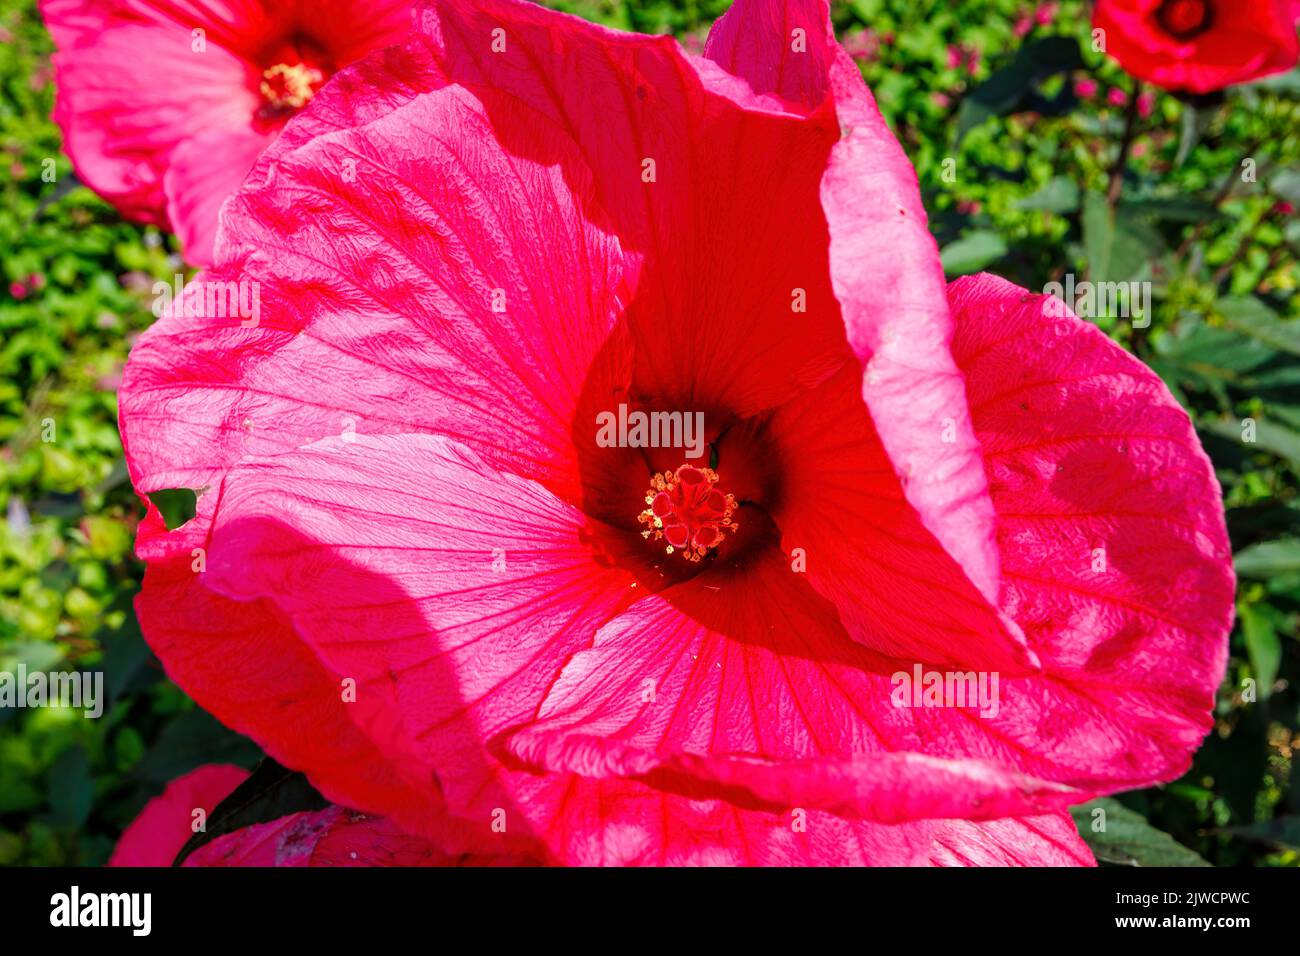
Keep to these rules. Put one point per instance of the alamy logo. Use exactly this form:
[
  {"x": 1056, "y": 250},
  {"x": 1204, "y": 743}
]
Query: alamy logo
[
  {"x": 639, "y": 429},
  {"x": 1093, "y": 300},
  {"x": 209, "y": 300},
  {"x": 102, "y": 909},
  {"x": 922, "y": 688},
  {"x": 76, "y": 689}
]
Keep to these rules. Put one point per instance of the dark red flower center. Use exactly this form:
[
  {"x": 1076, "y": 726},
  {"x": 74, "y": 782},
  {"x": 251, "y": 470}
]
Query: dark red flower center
[
  {"x": 687, "y": 511},
  {"x": 289, "y": 87},
  {"x": 1185, "y": 19}
]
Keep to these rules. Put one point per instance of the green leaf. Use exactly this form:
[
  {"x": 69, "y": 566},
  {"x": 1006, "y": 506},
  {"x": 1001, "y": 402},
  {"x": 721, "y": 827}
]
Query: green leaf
[
  {"x": 72, "y": 791},
  {"x": 1269, "y": 435},
  {"x": 1119, "y": 243},
  {"x": 190, "y": 740},
  {"x": 271, "y": 792},
  {"x": 868, "y": 11},
  {"x": 1283, "y": 832},
  {"x": 972, "y": 252},
  {"x": 178, "y": 505},
  {"x": 1006, "y": 88},
  {"x": 1253, "y": 318},
  {"x": 1060, "y": 195},
  {"x": 1262, "y": 645},
  {"x": 1098, "y": 234},
  {"x": 1286, "y": 184},
  {"x": 1170, "y": 209},
  {"x": 1207, "y": 352},
  {"x": 1120, "y": 836},
  {"x": 1268, "y": 558}
]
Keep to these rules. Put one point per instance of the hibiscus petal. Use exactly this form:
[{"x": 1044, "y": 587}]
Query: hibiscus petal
[
  {"x": 166, "y": 823},
  {"x": 1241, "y": 42},
  {"x": 621, "y": 822},
  {"x": 847, "y": 524},
  {"x": 242, "y": 662},
  {"x": 640, "y": 827},
  {"x": 726, "y": 238},
  {"x": 203, "y": 172},
  {"x": 779, "y": 46},
  {"x": 435, "y": 599},
  {"x": 1115, "y": 557},
  {"x": 234, "y": 25},
  {"x": 1086, "y": 450},
  {"x": 886, "y": 275},
  {"x": 483, "y": 274},
  {"x": 455, "y": 288},
  {"x": 298, "y": 594},
  {"x": 1050, "y": 840},
  {"x": 120, "y": 125},
  {"x": 590, "y": 822},
  {"x": 692, "y": 686},
  {"x": 331, "y": 837}
]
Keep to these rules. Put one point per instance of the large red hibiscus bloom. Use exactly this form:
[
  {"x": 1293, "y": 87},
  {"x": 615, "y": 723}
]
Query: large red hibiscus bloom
[
  {"x": 1199, "y": 45},
  {"x": 417, "y": 574},
  {"x": 165, "y": 104}
]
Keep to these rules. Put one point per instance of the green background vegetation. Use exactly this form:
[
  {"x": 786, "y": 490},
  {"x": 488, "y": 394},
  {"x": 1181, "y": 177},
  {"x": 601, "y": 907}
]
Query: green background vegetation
[{"x": 1026, "y": 197}]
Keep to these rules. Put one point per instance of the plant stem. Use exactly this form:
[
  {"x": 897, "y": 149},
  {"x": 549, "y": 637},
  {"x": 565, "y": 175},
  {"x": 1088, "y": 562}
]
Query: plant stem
[{"x": 1125, "y": 146}]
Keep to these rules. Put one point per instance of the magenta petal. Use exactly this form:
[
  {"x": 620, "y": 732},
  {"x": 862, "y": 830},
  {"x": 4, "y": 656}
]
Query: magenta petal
[
  {"x": 890, "y": 285},
  {"x": 333, "y": 837},
  {"x": 121, "y": 124},
  {"x": 437, "y": 597},
  {"x": 168, "y": 821},
  {"x": 848, "y": 526},
  {"x": 141, "y": 82},
  {"x": 197, "y": 633},
  {"x": 605, "y": 822},
  {"x": 769, "y": 695},
  {"x": 1050, "y": 840},
  {"x": 778, "y": 46},
  {"x": 886, "y": 275},
  {"x": 1115, "y": 557},
  {"x": 204, "y": 171},
  {"x": 473, "y": 301}
]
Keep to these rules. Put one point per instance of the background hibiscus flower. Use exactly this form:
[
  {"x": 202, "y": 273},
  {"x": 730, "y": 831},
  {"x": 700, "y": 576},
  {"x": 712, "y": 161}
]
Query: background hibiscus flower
[
  {"x": 169, "y": 819},
  {"x": 1199, "y": 45},
  {"x": 331, "y": 836},
  {"x": 165, "y": 104}
]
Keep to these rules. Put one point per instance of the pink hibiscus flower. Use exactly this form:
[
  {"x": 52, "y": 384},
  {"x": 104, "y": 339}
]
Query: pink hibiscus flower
[
  {"x": 330, "y": 837},
  {"x": 1199, "y": 45},
  {"x": 334, "y": 837},
  {"x": 417, "y": 574},
  {"x": 167, "y": 822},
  {"x": 165, "y": 104}
]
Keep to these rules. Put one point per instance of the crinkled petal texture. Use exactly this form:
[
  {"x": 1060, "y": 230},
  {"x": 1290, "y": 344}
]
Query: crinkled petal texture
[
  {"x": 168, "y": 820},
  {"x": 334, "y": 837},
  {"x": 159, "y": 100},
  {"x": 1199, "y": 46},
  {"x": 1115, "y": 556},
  {"x": 414, "y": 576}
]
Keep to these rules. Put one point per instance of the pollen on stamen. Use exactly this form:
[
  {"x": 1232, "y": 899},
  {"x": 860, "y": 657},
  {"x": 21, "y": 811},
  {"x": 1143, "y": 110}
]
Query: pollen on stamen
[
  {"x": 288, "y": 87},
  {"x": 687, "y": 512}
]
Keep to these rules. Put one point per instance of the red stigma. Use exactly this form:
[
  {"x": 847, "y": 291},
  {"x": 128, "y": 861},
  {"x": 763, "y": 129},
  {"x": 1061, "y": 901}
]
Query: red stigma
[
  {"x": 687, "y": 511},
  {"x": 287, "y": 88}
]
